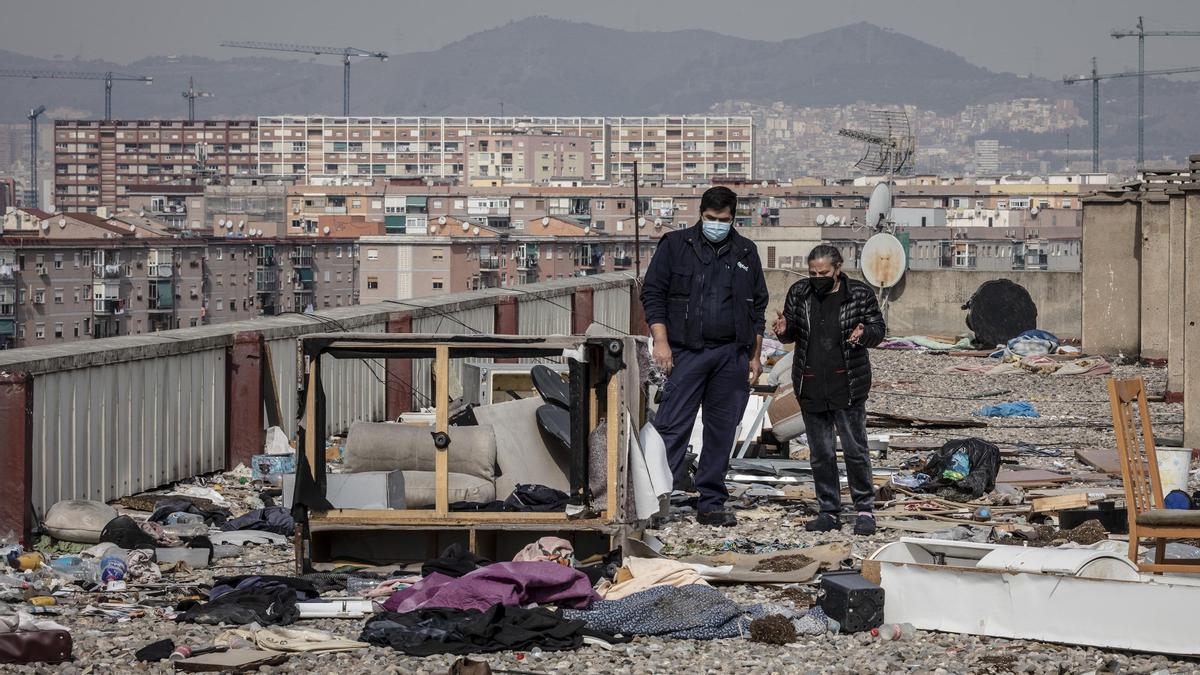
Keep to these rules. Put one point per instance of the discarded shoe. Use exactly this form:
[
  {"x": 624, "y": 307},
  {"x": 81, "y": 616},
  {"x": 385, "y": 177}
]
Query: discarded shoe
[
  {"x": 823, "y": 523},
  {"x": 717, "y": 518},
  {"x": 864, "y": 525}
]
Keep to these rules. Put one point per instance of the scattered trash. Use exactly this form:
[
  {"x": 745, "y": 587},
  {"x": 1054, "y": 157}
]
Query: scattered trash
[{"x": 773, "y": 630}]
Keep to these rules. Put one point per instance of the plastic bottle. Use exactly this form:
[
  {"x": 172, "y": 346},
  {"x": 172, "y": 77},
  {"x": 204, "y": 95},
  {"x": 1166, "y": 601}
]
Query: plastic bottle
[
  {"x": 113, "y": 568},
  {"x": 183, "y": 517},
  {"x": 358, "y": 585},
  {"x": 890, "y": 632}
]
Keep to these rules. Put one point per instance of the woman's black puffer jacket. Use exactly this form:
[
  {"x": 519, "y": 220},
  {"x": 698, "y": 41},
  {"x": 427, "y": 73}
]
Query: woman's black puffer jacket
[{"x": 860, "y": 306}]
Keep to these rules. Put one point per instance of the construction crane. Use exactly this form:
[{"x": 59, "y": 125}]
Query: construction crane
[
  {"x": 1141, "y": 34},
  {"x": 191, "y": 94},
  {"x": 1095, "y": 78},
  {"x": 33, "y": 154},
  {"x": 345, "y": 52},
  {"x": 109, "y": 77}
]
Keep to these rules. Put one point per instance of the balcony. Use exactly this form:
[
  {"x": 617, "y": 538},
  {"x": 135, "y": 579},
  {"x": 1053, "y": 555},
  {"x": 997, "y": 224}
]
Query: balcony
[
  {"x": 490, "y": 263},
  {"x": 107, "y": 271},
  {"x": 527, "y": 263},
  {"x": 622, "y": 262},
  {"x": 108, "y": 306}
]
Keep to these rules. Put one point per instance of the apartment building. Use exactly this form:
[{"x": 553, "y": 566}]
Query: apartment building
[
  {"x": 179, "y": 207},
  {"x": 96, "y": 163},
  {"x": 495, "y": 159},
  {"x": 668, "y": 148}
]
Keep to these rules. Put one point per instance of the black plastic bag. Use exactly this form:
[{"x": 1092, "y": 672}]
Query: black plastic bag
[{"x": 981, "y": 477}]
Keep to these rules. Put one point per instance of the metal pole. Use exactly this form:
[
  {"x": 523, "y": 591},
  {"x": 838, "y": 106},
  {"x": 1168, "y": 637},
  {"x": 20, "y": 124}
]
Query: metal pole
[
  {"x": 33, "y": 177},
  {"x": 637, "y": 226},
  {"x": 346, "y": 87},
  {"x": 1095, "y": 118},
  {"x": 108, "y": 97},
  {"x": 1141, "y": 156}
]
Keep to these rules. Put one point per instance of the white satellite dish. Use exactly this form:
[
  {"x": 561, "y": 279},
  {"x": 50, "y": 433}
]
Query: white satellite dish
[
  {"x": 883, "y": 260},
  {"x": 1034, "y": 211},
  {"x": 657, "y": 222},
  {"x": 441, "y": 220},
  {"x": 466, "y": 226},
  {"x": 476, "y": 229},
  {"x": 641, "y": 222},
  {"x": 820, "y": 218},
  {"x": 587, "y": 229},
  {"x": 221, "y": 223},
  {"x": 142, "y": 213},
  {"x": 62, "y": 222},
  {"x": 229, "y": 224},
  {"x": 545, "y": 220},
  {"x": 45, "y": 226},
  {"x": 241, "y": 224},
  {"x": 132, "y": 227},
  {"x": 326, "y": 230},
  {"x": 433, "y": 229},
  {"x": 832, "y": 219},
  {"x": 879, "y": 209}
]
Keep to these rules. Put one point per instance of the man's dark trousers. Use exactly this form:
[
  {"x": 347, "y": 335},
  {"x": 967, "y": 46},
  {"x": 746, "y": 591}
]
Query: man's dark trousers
[
  {"x": 717, "y": 378},
  {"x": 823, "y": 429}
]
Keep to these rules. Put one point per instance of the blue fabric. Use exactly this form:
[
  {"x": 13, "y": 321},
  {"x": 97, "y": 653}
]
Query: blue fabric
[
  {"x": 1177, "y": 499},
  {"x": 717, "y": 378},
  {"x": 1014, "y": 409},
  {"x": 693, "y": 612},
  {"x": 1033, "y": 343}
]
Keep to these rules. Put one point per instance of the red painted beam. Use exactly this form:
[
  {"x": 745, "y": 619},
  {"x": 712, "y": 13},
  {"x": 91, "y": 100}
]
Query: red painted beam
[
  {"x": 637, "y": 313},
  {"x": 398, "y": 395},
  {"x": 16, "y": 454},
  {"x": 506, "y": 322},
  {"x": 244, "y": 417},
  {"x": 583, "y": 310}
]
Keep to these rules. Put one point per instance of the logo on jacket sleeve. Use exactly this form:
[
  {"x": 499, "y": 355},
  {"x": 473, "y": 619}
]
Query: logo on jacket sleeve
[{"x": 743, "y": 266}]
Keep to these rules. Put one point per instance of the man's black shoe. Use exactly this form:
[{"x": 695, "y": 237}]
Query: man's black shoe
[
  {"x": 864, "y": 525},
  {"x": 717, "y": 518},
  {"x": 825, "y": 522}
]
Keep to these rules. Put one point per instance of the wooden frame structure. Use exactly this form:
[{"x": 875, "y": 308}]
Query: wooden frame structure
[
  {"x": 596, "y": 387},
  {"x": 1143, "y": 488}
]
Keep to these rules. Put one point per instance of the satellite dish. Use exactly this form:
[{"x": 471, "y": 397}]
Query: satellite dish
[
  {"x": 441, "y": 220},
  {"x": 132, "y": 227},
  {"x": 879, "y": 208},
  {"x": 241, "y": 224},
  {"x": 1034, "y": 211},
  {"x": 883, "y": 260},
  {"x": 62, "y": 222},
  {"x": 476, "y": 230},
  {"x": 433, "y": 229},
  {"x": 326, "y": 230},
  {"x": 45, "y": 226},
  {"x": 545, "y": 220},
  {"x": 142, "y": 213},
  {"x": 657, "y": 222},
  {"x": 587, "y": 229},
  {"x": 466, "y": 226},
  {"x": 820, "y": 218},
  {"x": 641, "y": 222},
  {"x": 832, "y": 219}
]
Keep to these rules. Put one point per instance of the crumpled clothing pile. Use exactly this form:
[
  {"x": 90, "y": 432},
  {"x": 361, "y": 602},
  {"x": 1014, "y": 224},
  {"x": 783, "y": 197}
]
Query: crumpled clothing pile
[{"x": 691, "y": 612}]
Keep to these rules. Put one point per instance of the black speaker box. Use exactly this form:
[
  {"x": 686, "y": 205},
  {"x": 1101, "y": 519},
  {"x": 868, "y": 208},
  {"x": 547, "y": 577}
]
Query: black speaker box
[{"x": 852, "y": 601}]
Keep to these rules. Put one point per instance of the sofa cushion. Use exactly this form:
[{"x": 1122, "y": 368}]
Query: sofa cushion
[
  {"x": 420, "y": 490},
  {"x": 78, "y": 520},
  {"x": 384, "y": 446}
]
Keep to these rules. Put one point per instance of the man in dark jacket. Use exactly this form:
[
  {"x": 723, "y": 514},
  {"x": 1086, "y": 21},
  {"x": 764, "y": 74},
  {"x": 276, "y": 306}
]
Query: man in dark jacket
[
  {"x": 833, "y": 319},
  {"x": 705, "y": 298}
]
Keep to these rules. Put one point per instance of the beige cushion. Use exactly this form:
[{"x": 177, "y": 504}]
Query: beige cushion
[
  {"x": 78, "y": 520},
  {"x": 1169, "y": 518},
  {"x": 419, "y": 490},
  {"x": 382, "y": 446}
]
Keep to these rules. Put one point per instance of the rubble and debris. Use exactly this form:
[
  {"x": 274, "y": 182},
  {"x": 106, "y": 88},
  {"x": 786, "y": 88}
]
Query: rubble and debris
[{"x": 774, "y": 629}]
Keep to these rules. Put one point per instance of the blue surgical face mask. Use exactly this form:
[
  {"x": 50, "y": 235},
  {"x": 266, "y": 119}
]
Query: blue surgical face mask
[{"x": 715, "y": 230}]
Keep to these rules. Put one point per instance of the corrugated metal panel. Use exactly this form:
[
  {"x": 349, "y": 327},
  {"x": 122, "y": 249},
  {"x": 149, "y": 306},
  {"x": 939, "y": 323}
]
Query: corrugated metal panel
[
  {"x": 536, "y": 316},
  {"x": 108, "y": 431},
  {"x": 610, "y": 308},
  {"x": 284, "y": 360},
  {"x": 354, "y": 388},
  {"x": 477, "y": 320}
]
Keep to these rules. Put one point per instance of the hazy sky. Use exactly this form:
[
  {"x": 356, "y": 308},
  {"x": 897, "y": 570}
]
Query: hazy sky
[{"x": 1045, "y": 37}]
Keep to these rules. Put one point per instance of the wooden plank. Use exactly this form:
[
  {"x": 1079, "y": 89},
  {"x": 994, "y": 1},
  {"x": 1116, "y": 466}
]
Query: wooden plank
[
  {"x": 441, "y": 371},
  {"x": 1101, "y": 459},
  {"x": 270, "y": 390},
  {"x": 1077, "y": 500},
  {"x": 427, "y": 517},
  {"x": 878, "y": 419},
  {"x": 1031, "y": 477},
  {"x": 613, "y": 416}
]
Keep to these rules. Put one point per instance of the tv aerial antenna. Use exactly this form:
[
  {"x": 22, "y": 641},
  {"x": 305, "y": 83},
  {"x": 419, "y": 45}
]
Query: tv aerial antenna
[{"x": 890, "y": 144}]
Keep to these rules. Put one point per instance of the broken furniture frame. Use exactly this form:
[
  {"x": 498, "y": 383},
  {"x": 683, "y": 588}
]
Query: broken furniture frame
[
  {"x": 1143, "y": 488},
  {"x": 596, "y": 390}
]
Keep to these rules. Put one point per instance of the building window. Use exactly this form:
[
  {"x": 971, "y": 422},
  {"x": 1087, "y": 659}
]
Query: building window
[
  {"x": 339, "y": 251},
  {"x": 58, "y": 296},
  {"x": 1066, "y": 203},
  {"x": 58, "y": 330},
  {"x": 436, "y": 283},
  {"x": 220, "y": 304},
  {"x": 372, "y": 254},
  {"x": 437, "y": 254},
  {"x": 39, "y": 331},
  {"x": 39, "y": 297},
  {"x": 372, "y": 283},
  {"x": 58, "y": 261},
  {"x": 220, "y": 254}
]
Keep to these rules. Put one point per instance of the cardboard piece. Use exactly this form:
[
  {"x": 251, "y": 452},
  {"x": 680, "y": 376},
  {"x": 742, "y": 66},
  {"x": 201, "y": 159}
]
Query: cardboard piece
[
  {"x": 232, "y": 661},
  {"x": 363, "y": 490},
  {"x": 825, "y": 556}
]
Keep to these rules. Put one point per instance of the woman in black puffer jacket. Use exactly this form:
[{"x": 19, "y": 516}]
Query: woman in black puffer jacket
[{"x": 833, "y": 320}]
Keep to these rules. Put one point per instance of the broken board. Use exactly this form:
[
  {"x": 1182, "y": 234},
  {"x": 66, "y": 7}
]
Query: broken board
[
  {"x": 1101, "y": 459},
  {"x": 1077, "y": 500},
  {"x": 876, "y": 418}
]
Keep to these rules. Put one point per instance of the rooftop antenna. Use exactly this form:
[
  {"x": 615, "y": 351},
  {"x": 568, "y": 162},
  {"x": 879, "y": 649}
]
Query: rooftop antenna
[
  {"x": 890, "y": 143},
  {"x": 191, "y": 94}
]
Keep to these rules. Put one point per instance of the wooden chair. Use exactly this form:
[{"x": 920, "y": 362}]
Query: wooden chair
[{"x": 1143, "y": 489}]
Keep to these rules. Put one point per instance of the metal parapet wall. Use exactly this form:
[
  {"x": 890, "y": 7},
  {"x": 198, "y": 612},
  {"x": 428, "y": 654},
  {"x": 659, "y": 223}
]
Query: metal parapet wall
[{"x": 107, "y": 418}]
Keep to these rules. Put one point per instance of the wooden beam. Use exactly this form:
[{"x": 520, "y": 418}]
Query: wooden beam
[
  {"x": 441, "y": 371},
  {"x": 310, "y": 417},
  {"x": 613, "y": 416},
  {"x": 1060, "y": 502}
]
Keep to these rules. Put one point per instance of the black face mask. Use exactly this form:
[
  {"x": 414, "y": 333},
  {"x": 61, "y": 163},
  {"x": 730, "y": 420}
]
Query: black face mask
[{"x": 821, "y": 285}]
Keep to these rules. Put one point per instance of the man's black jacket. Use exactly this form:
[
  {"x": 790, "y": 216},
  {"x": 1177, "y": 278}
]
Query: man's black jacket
[
  {"x": 860, "y": 306},
  {"x": 674, "y": 288}
]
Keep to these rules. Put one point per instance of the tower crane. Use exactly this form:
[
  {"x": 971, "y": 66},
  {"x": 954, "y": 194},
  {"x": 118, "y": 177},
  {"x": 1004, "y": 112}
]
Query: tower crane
[
  {"x": 345, "y": 52},
  {"x": 33, "y": 154},
  {"x": 1141, "y": 34},
  {"x": 191, "y": 94},
  {"x": 1095, "y": 78},
  {"x": 109, "y": 77}
]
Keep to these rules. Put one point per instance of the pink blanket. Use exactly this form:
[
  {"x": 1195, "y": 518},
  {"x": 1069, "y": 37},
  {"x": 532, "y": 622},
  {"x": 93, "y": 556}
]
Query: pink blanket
[{"x": 505, "y": 583}]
